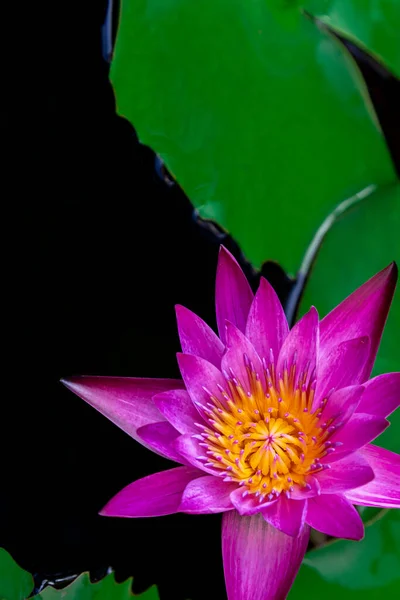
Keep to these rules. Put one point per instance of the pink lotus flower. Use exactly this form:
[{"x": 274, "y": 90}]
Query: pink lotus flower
[{"x": 272, "y": 426}]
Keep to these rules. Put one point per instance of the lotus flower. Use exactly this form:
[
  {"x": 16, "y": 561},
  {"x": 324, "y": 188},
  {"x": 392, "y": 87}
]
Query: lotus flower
[{"x": 272, "y": 427}]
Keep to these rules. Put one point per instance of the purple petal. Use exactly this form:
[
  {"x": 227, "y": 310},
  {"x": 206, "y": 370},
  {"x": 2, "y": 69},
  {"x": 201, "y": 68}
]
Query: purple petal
[
  {"x": 312, "y": 489},
  {"x": 248, "y": 504},
  {"x": 234, "y": 361},
  {"x": 260, "y": 562},
  {"x": 301, "y": 345},
  {"x": 342, "y": 404},
  {"x": 384, "y": 490},
  {"x": 286, "y": 515},
  {"x": 363, "y": 313},
  {"x": 153, "y": 496},
  {"x": 342, "y": 367},
  {"x": 360, "y": 430},
  {"x": 233, "y": 295},
  {"x": 334, "y": 515},
  {"x": 197, "y": 337},
  {"x": 201, "y": 379},
  {"x": 348, "y": 473},
  {"x": 381, "y": 396},
  {"x": 126, "y": 401},
  {"x": 177, "y": 407},
  {"x": 266, "y": 327},
  {"x": 207, "y": 495},
  {"x": 159, "y": 437},
  {"x": 190, "y": 450}
]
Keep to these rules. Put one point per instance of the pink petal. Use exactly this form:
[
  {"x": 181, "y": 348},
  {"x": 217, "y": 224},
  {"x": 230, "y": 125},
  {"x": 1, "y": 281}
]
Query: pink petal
[
  {"x": 287, "y": 515},
  {"x": 260, "y": 562},
  {"x": 153, "y": 496},
  {"x": 159, "y": 437},
  {"x": 342, "y": 404},
  {"x": 248, "y": 504},
  {"x": 233, "y": 295},
  {"x": 197, "y": 337},
  {"x": 334, "y": 515},
  {"x": 301, "y": 345},
  {"x": 342, "y": 366},
  {"x": 207, "y": 495},
  {"x": 266, "y": 326},
  {"x": 348, "y": 473},
  {"x": 177, "y": 407},
  {"x": 363, "y": 313},
  {"x": 384, "y": 490},
  {"x": 313, "y": 489},
  {"x": 201, "y": 379},
  {"x": 381, "y": 396},
  {"x": 191, "y": 452},
  {"x": 360, "y": 430},
  {"x": 239, "y": 349},
  {"x": 126, "y": 401}
]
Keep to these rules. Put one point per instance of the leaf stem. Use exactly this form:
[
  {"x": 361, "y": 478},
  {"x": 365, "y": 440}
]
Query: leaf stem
[{"x": 313, "y": 249}]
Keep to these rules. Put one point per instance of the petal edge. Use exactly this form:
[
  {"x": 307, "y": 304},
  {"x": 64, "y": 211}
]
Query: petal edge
[
  {"x": 152, "y": 496},
  {"x": 125, "y": 401},
  {"x": 233, "y": 294}
]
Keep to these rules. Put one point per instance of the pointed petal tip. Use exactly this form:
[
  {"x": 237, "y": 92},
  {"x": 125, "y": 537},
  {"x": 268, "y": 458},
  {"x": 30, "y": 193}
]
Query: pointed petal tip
[
  {"x": 385, "y": 281},
  {"x": 264, "y": 283},
  {"x": 230, "y": 329},
  {"x": 388, "y": 274},
  {"x": 155, "y": 495},
  {"x": 267, "y": 287},
  {"x": 225, "y": 256},
  {"x": 386, "y": 278},
  {"x": 197, "y": 337},
  {"x": 313, "y": 312},
  {"x": 363, "y": 312},
  {"x": 392, "y": 270},
  {"x": 180, "y": 313},
  {"x": 180, "y": 309},
  {"x": 223, "y": 250},
  {"x": 108, "y": 510},
  {"x": 73, "y": 383},
  {"x": 233, "y": 294},
  {"x": 266, "y": 326},
  {"x": 311, "y": 315}
]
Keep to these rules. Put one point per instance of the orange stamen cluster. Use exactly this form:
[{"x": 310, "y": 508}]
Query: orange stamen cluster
[{"x": 266, "y": 440}]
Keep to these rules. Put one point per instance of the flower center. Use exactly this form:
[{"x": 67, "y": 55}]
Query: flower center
[{"x": 266, "y": 440}]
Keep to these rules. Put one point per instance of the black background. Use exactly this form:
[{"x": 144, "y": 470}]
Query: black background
[{"x": 98, "y": 248}]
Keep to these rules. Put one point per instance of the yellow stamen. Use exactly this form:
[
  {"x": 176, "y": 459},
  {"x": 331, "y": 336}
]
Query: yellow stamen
[{"x": 266, "y": 439}]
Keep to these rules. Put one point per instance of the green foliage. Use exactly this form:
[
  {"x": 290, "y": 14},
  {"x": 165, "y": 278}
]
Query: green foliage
[
  {"x": 364, "y": 570},
  {"x": 106, "y": 589},
  {"x": 361, "y": 243},
  {"x": 257, "y": 111},
  {"x": 372, "y": 24},
  {"x": 15, "y": 583}
]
